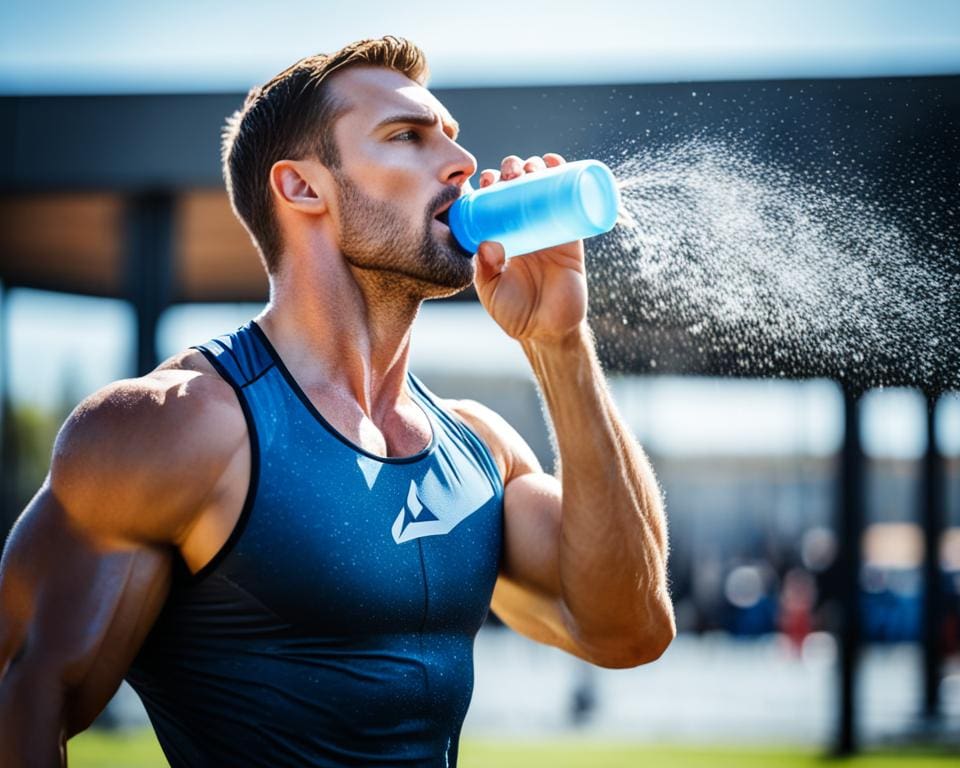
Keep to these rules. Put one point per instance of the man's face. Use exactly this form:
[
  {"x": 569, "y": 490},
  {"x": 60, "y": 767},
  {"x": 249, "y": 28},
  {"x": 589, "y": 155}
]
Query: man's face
[{"x": 400, "y": 164}]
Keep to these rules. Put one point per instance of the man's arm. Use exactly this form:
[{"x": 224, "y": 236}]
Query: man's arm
[
  {"x": 613, "y": 539},
  {"x": 87, "y": 567},
  {"x": 73, "y": 611},
  {"x": 586, "y": 553}
]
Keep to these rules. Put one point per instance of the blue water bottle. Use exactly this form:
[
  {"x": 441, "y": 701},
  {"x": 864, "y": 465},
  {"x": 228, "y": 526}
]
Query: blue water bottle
[{"x": 538, "y": 210}]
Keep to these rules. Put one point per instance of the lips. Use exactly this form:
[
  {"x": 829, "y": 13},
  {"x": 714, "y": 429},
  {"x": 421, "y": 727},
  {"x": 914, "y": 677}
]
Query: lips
[{"x": 443, "y": 215}]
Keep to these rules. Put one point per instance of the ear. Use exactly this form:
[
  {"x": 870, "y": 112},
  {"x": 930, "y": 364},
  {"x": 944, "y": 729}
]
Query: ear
[{"x": 293, "y": 184}]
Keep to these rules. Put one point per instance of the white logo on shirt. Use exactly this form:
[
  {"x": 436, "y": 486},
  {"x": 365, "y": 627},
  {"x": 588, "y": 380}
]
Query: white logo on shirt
[{"x": 416, "y": 520}]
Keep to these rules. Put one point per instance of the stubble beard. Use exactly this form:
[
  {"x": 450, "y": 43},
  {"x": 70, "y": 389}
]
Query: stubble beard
[{"x": 378, "y": 238}]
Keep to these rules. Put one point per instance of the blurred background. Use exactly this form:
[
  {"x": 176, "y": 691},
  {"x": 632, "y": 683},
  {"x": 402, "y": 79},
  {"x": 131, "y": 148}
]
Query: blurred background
[{"x": 815, "y": 519}]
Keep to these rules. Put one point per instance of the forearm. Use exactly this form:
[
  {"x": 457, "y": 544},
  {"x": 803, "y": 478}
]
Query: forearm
[
  {"x": 31, "y": 728},
  {"x": 613, "y": 543}
]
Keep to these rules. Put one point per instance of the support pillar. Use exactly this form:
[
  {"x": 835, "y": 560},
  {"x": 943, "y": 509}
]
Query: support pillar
[
  {"x": 850, "y": 508},
  {"x": 149, "y": 261},
  {"x": 933, "y": 507}
]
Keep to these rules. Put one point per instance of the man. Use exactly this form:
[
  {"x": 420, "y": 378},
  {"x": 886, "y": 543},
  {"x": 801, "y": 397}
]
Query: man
[{"x": 281, "y": 538}]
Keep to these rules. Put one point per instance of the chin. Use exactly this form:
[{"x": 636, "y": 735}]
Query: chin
[
  {"x": 463, "y": 252},
  {"x": 441, "y": 293},
  {"x": 449, "y": 268},
  {"x": 448, "y": 283}
]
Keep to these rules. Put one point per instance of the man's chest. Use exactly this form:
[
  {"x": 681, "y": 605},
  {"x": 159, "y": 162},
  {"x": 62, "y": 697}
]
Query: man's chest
[{"x": 345, "y": 542}]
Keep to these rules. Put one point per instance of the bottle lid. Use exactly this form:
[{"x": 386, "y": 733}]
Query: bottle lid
[{"x": 599, "y": 196}]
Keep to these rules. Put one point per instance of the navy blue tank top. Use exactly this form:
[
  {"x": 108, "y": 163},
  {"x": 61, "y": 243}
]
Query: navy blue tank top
[{"x": 336, "y": 625}]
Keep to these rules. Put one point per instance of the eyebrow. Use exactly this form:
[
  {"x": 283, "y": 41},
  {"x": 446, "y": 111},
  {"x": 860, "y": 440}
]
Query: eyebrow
[{"x": 420, "y": 118}]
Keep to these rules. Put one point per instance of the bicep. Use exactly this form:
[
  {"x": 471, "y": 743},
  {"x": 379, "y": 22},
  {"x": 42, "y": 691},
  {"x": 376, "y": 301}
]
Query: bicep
[
  {"x": 527, "y": 596},
  {"x": 531, "y": 511},
  {"x": 74, "y": 608},
  {"x": 531, "y": 503}
]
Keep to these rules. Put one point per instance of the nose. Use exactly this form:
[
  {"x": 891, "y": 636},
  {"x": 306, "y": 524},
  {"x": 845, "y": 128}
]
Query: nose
[{"x": 459, "y": 166}]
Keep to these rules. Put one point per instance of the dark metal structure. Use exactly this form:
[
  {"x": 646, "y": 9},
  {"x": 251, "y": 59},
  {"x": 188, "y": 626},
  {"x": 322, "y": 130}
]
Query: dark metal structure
[
  {"x": 850, "y": 519},
  {"x": 148, "y": 267},
  {"x": 933, "y": 507}
]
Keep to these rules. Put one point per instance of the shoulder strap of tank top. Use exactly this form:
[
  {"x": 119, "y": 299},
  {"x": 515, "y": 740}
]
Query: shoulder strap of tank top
[
  {"x": 453, "y": 423},
  {"x": 239, "y": 357}
]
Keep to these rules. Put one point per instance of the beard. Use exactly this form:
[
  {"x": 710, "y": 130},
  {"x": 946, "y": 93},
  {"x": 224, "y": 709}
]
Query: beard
[{"x": 377, "y": 236}]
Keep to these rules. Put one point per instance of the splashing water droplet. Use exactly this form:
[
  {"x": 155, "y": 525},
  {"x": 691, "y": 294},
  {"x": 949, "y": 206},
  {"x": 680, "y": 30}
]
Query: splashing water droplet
[{"x": 765, "y": 264}]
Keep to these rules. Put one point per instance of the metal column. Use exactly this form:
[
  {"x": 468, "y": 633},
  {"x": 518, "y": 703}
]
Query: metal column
[
  {"x": 149, "y": 261},
  {"x": 850, "y": 508},
  {"x": 933, "y": 510}
]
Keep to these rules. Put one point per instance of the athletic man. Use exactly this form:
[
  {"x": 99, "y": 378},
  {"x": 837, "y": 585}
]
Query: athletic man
[{"x": 281, "y": 538}]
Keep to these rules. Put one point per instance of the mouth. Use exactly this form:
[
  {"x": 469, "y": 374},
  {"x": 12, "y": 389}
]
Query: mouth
[{"x": 443, "y": 215}]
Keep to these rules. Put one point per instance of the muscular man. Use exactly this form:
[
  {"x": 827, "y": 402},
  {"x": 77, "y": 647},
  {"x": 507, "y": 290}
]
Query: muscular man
[{"x": 281, "y": 538}]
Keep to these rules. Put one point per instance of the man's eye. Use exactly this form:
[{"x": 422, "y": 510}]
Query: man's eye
[{"x": 406, "y": 136}]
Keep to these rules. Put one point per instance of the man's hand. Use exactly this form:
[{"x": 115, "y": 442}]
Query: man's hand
[{"x": 540, "y": 296}]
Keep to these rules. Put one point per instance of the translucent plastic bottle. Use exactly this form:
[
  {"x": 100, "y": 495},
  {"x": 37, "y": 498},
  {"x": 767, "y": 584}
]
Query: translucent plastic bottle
[{"x": 538, "y": 210}]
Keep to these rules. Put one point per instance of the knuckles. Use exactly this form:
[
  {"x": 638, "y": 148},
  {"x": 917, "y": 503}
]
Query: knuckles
[{"x": 512, "y": 166}]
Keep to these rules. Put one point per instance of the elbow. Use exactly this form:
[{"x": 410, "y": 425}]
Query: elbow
[
  {"x": 636, "y": 648},
  {"x": 656, "y": 642},
  {"x": 645, "y": 650}
]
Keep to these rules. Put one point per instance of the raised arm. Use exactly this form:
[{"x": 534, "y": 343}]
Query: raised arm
[
  {"x": 586, "y": 551},
  {"x": 87, "y": 566},
  {"x": 613, "y": 538}
]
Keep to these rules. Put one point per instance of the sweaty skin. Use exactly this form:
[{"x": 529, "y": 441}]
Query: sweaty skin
[{"x": 154, "y": 468}]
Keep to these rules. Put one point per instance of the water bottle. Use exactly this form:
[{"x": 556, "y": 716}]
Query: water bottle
[{"x": 538, "y": 210}]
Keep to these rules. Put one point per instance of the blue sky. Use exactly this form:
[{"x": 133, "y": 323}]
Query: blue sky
[{"x": 115, "y": 46}]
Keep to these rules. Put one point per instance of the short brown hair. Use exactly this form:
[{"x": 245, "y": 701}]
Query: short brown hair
[{"x": 291, "y": 117}]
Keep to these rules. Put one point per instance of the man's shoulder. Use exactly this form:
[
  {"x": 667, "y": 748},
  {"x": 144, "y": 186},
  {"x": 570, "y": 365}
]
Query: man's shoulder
[
  {"x": 477, "y": 415},
  {"x": 179, "y": 396},
  {"x": 511, "y": 452},
  {"x": 164, "y": 437}
]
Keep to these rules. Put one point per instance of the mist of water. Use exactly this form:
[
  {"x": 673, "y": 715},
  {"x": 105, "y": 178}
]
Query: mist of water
[{"x": 726, "y": 264}]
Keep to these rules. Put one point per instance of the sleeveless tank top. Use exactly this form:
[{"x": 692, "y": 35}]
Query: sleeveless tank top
[{"x": 336, "y": 625}]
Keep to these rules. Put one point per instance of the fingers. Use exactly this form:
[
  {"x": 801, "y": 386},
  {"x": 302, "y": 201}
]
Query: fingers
[
  {"x": 488, "y": 176},
  {"x": 513, "y": 167}
]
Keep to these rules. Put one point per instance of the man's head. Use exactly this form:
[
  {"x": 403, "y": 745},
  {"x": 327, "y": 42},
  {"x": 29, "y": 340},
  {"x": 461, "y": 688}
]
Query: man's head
[{"x": 358, "y": 127}]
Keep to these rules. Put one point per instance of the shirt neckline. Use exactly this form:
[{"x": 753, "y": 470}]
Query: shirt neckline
[{"x": 308, "y": 404}]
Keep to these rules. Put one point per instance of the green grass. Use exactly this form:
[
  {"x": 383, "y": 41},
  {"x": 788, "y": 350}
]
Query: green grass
[
  {"x": 139, "y": 749},
  {"x": 107, "y": 749},
  {"x": 586, "y": 755}
]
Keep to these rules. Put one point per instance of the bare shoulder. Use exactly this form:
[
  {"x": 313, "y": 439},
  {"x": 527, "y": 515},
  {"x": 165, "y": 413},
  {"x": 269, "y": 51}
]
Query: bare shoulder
[
  {"x": 139, "y": 455},
  {"x": 510, "y": 450}
]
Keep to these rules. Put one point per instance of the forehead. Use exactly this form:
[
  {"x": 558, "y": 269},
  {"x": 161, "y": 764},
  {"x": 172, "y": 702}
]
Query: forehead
[{"x": 371, "y": 94}]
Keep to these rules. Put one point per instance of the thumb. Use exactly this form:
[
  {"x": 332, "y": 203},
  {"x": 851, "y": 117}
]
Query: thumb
[{"x": 490, "y": 261}]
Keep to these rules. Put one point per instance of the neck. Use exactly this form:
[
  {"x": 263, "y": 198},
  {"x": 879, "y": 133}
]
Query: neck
[{"x": 342, "y": 329}]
